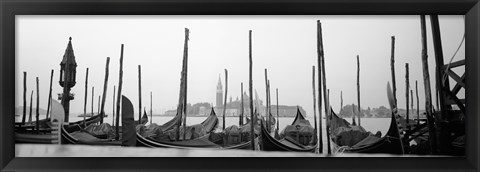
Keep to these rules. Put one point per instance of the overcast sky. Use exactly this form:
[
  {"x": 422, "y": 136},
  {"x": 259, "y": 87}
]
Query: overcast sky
[{"x": 285, "y": 45}]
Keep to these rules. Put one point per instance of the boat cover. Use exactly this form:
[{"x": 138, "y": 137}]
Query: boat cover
[{"x": 101, "y": 131}]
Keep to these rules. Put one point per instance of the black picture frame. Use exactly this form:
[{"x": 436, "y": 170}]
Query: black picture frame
[{"x": 10, "y": 8}]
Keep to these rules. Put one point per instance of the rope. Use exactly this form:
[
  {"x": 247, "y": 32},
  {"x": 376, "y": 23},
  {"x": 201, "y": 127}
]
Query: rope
[
  {"x": 341, "y": 149},
  {"x": 451, "y": 59}
]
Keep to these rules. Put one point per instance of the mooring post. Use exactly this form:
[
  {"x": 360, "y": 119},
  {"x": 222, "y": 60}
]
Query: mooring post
[
  {"x": 358, "y": 90},
  {"x": 428, "y": 95},
  {"x": 267, "y": 115},
  {"x": 24, "y": 97},
  {"x": 314, "y": 104},
  {"x": 139, "y": 93},
  {"x": 31, "y": 104},
  {"x": 353, "y": 115},
  {"x": 240, "y": 123},
  {"x": 278, "y": 117},
  {"x": 105, "y": 86},
  {"x": 411, "y": 100},
  {"x": 341, "y": 101},
  {"x": 225, "y": 99},
  {"x": 392, "y": 66},
  {"x": 407, "y": 87},
  {"x": 93, "y": 96},
  {"x": 151, "y": 112},
  {"x": 185, "y": 54},
  {"x": 418, "y": 105},
  {"x": 86, "y": 96},
  {"x": 38, "y": 106},
  {"x": 269, "y": 108},
  {"x": 113, "y": 107},
  {"x": 319, "y": 61},
  {"x": 329, "y": 115},
  {"x": 119, "y": 95},
  {"x": 50, "y": 93},
  {"x": 252, "y": 116},
  {"x": 98, "y": 106}
]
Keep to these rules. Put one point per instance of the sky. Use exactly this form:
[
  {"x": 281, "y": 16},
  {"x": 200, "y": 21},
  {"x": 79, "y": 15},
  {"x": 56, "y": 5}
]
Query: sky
[{"x": 284, "y": 45}]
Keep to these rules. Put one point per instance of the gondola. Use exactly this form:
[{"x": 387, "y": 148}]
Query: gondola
[
  {"x": 243, "y": 136},
  {"x": 287, "y": 143},
  {"x": 74, "y": 135},
  {"x": 209, "y": 124},
  {"x": 45, "y": 136},
  {"x": 391, "y": 143}
]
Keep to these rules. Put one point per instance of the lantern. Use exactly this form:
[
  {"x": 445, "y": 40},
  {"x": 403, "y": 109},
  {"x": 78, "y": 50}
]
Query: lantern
[{"x": 68, "y": 67}]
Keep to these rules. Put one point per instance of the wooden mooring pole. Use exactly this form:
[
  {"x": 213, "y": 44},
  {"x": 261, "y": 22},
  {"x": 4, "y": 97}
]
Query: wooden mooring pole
[
  {"x": 269, "y": 108},
  {"x": 105, "y": 86},
  {"x": 31, "y": 104},
  {"x": 49, "y": 93},
  {"x": 119, "y": 95},
  {"x": 353, "y": 115},
  {"x": 341, "y": 101},
  {"x": 278, "y": 117},
  {"x": 411, "y": 107},
  {"x": 37, "y": 116},
  {"x": 24, "y": 97},
  {"x": 267, "y": 113},
  {"x": 250, "y": 83},
  {"x": 315, "y": 105},
  {"x": 329, "y": 115},
  {"x": 407, "y": 87},
  {"x": 181, "y": 97},
  {"x": 243, "y": 107},
  {"x": 319, "y": 61},
  {"x": 392, "y": 66},
  {"x": 151, "y": 112},
  {"x": 93, "y": 96},
  {"x": 113, "y": 107},
  {"x": 225, "y": 99},
  {"x": 86, "y": 96},
  {"x": 418, "y": 105},
  {"x": 185, "y": 55},
  {"x": 98, "y": 106},
  {"x": 325, "y": 96},
  {"x": 139, "y": 93},
  {"x": 358, "y": 90},
  {"x": 428, "y": 95}
]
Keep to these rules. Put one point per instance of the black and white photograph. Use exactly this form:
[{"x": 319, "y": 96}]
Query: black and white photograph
[{"x": 240, "y": 86}]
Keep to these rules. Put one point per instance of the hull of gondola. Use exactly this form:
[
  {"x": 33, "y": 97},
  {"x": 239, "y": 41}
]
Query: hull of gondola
[
  {"x": 46, "y": 138},
  {"x": 210, "y": 123},
  {"x": 201, "y": 142},
  {"x": 68, "y": 138},
  {"x": 70, "y": 134},
  {"x": 269, "y": 143},
  {"x": 242, "y": 146},
  {"x": 390, "y": 143}
]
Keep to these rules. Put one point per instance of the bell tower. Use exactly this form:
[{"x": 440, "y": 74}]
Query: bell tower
[
  {"x": 219, "y": 93},
  {"x": 68, "y": 71}
]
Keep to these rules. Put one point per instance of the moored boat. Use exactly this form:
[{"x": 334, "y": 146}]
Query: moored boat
[
  {"x": 208, "y": 125},
  {"x": 390, "y": 143},
  {"x": 287, "y": 142},
  {"x": 77, "y": 134}
]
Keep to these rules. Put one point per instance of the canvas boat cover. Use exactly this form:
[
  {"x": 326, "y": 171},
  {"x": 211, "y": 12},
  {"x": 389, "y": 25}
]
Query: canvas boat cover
[
  {"x": 301, "y": 131},
  {"x": 350, "y": 136},
  {"x": 102, "y": 131}
]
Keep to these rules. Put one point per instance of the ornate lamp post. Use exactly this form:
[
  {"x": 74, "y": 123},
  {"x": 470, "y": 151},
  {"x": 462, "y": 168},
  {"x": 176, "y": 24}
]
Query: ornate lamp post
[{"x": 67, "y": 78}]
